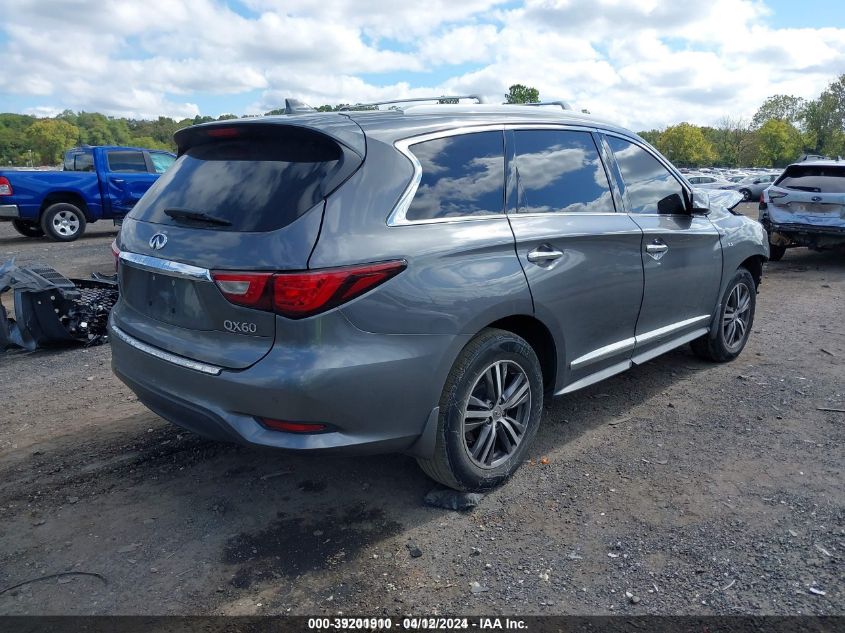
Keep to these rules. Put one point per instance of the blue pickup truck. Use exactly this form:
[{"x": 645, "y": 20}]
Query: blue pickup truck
[{"x": 96, "y": 183}]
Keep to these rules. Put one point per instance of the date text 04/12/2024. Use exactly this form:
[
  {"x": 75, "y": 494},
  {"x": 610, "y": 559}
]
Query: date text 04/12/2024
[{"x": 417, "y": 624}]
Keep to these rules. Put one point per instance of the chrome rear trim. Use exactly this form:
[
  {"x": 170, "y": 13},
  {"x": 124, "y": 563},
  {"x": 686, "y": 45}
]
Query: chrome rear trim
[
  {"x": 165, "y": 266},
  {"x": 205, "y": 368},
  {"x": 665, "y": 331}
]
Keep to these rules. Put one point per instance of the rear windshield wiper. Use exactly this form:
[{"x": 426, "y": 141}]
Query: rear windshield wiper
[{"x": 196, "y": 216}]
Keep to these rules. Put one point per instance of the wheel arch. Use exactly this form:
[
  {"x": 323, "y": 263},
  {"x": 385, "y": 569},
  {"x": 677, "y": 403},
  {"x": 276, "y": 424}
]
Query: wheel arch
[
  {"x": 539, "y": 337},
  {"x": 754, "y": 265},
  {"x": 71, "y": 197}
]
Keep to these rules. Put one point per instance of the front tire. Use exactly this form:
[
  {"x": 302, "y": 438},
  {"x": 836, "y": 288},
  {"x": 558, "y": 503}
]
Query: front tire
[
  {"x": 490, "y": 410},
  {"x": 776, "y": 252},
  {"x": 732, "y": 325},
  {"x": 63, "y": 222},
  {"x": 27, "y": 228},
  {"x": 746, "y": 194}
]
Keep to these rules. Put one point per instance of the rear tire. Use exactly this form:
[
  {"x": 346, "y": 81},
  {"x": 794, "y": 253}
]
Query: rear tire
[
  {"x": 746, "y": 194},
  {"x": 27, "y": 228},
  {"x": 475, "y": 451},
  {"x": 734, "y": 319},
  {"x": 776, "y": 252},
  {"x": 63, "y": 222}
]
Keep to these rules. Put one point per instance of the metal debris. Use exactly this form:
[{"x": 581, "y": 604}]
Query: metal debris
[{"x": 51, "y": 309}]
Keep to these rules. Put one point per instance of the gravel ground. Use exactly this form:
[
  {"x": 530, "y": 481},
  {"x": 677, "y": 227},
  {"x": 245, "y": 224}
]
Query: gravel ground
[{"x": 679, "y": 487}]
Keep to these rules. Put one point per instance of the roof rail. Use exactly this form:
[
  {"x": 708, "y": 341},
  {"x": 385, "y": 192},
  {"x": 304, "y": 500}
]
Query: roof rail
[
  {"x": 374, "y": 105},
  {"x": 563, "y": 104}
]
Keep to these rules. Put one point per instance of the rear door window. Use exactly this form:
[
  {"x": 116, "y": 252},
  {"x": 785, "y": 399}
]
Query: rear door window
[
  {"x": 649, "y": 186},
  {"x": 127, "y": 161},
  {"x": 161, "y": 161},
  {"x": 815, "y": 178},
  {"x": 79, "y": 161},
  {"x": 462, "y": 176},
  {"x": 258, "y": 180},
  {"x": 559, "y": 171}
]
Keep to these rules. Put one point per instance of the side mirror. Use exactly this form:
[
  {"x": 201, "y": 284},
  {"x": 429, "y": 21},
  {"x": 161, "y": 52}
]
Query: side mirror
[{"x": 700, "y": 202}]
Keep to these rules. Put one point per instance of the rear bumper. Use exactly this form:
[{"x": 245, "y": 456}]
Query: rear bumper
[
  {"x": 9, "y": 212},
  {"x": 805, "y": 234},
  {"x": 375, "y": 392}
]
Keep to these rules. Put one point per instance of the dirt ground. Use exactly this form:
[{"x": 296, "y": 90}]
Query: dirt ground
[{"x": 695, "y": 488}]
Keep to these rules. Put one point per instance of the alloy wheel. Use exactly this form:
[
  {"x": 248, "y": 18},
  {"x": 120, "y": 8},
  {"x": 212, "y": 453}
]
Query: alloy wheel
[
  {"x": 66, "y": 223},
  {"x": 735, "y": 319},
  {"x": 496, "y": 414}
]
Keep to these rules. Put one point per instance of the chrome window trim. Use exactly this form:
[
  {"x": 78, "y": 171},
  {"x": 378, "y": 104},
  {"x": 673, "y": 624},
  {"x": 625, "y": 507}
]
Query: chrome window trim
[
  {"x": 205, "y": 368},
  {"x": 398, "y": 217},
  {"x": 165, "y": 266}
]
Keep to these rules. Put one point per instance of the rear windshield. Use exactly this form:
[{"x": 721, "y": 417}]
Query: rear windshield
[
  {"x": 254, "y": 182},
  {"x": 817, "y": 178}
]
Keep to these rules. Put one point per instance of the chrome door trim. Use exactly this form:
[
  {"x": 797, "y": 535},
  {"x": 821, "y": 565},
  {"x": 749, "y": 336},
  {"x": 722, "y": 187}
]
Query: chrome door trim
[
  {"x": 165, "y": 266},
  {"x": 205, "y": 368},
  {"x": 641, "y": 358},
  {"x": 601, "y": 353},
  {"x": 666, "y": 330},
  {"x": 629, "y": 344},
  {"x": 607, "y": 372}
]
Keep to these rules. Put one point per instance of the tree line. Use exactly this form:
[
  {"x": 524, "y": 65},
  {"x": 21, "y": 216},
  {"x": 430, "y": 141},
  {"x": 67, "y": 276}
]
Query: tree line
[{"x": 783, "y": 128}]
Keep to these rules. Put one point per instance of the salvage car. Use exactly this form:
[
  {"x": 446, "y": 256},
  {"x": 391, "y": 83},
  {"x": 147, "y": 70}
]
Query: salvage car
[
  {"x": 95, "y": 183},
  {"x": 805, "y": 207},
  {"x": 752, "y": 186},
  {"x": 417, "y": 280}
]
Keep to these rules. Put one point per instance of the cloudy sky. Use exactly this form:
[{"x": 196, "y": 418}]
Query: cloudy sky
[{"x": 643, "y": 63}]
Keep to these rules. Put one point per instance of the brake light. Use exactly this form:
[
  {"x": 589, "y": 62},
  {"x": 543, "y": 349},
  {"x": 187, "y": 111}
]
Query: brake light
[
  {"x": 115, "y": 251},
  {"x": 5, "y": 187},
  {"x": 291, "y": 427},
  {"x": 303, "y": 294},
  {"x": 223, "y": 132}
]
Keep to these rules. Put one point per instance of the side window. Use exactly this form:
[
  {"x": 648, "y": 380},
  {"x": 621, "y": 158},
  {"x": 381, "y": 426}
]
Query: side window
[
  {"x": 79, "y": 161},
  {"x": 650, "y": 187},
  {"x": 127, "y": 161},
  {"x": 694, "y": 180},
  {"x": 560, "y": 172},
  {"x": 161, "y": 161},
  {"x": 462, "y": 175}
]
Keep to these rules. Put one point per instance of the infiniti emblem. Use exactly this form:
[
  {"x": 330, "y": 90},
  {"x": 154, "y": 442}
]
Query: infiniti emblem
[
  {"x": 816, "y": 198},
  {"x": 158, "y": 241}
]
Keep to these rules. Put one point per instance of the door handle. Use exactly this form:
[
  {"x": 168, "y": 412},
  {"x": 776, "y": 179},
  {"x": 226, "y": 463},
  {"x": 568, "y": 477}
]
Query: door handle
[
  {"x": 656, "y": 248},
  {"x": 118, "y": 181},
  {"x": 544, "y": 254}
]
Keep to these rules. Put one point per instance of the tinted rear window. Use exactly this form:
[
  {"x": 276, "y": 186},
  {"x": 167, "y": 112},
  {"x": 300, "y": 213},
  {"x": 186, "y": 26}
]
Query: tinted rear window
[
  {"x": 127, "y": 161},
  {"x": 462, "y": 175},
  {"x": 79, "y": 161},
  {"x": 818, "y": 178},
  {"x": 257, "y": 182}
]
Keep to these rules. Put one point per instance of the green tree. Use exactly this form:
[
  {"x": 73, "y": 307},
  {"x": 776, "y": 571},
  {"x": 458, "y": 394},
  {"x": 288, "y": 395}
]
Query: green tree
[
  {"x": 226, "y": 117},
  {"x": 780, "y": 143},
  {"x": 685, "y": 145},
  {"x": 48, "y": 138},
  {"x": 824, "y": 120},
  {"x": 727, "y": 138},
  {"x": 650, "y": 136},
  {"x": 783, "y": 107},
  {"x": 518, "y": 93}
]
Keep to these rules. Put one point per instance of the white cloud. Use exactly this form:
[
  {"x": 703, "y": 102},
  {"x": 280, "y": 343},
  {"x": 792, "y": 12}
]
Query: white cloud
[{"x": 642, "y": 63}]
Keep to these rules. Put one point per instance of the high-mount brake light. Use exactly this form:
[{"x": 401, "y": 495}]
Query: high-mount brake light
[
  {"x": 223, "y": 132},
  {"x": 297, "y": 295}
]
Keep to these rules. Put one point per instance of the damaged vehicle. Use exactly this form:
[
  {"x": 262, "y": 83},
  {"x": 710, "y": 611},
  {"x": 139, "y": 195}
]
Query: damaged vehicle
[
  {"x": 417, "y": 280},
  {"x": 52, "y": 310},
  {"x": 805, "y": 207}
]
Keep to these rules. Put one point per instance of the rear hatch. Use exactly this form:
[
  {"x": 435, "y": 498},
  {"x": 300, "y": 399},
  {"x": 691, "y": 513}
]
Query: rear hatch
[
  {"x": 243, "y": 197},
  {"x": 809, "y": 195}
]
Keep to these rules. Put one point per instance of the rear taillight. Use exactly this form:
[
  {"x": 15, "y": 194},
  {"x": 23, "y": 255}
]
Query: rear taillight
[
  {"x": 303, "y": 294},
  {"x": 115, "y": 251},
  {"x": 5, "y": 187}
]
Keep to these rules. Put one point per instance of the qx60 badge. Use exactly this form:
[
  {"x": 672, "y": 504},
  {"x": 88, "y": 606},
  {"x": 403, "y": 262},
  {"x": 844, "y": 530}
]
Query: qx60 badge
[{"x": 158, "y": 241}]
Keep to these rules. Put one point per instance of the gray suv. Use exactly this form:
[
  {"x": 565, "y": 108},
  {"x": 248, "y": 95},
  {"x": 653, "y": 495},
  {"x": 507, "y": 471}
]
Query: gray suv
[{"x": 417, "y": 280}]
